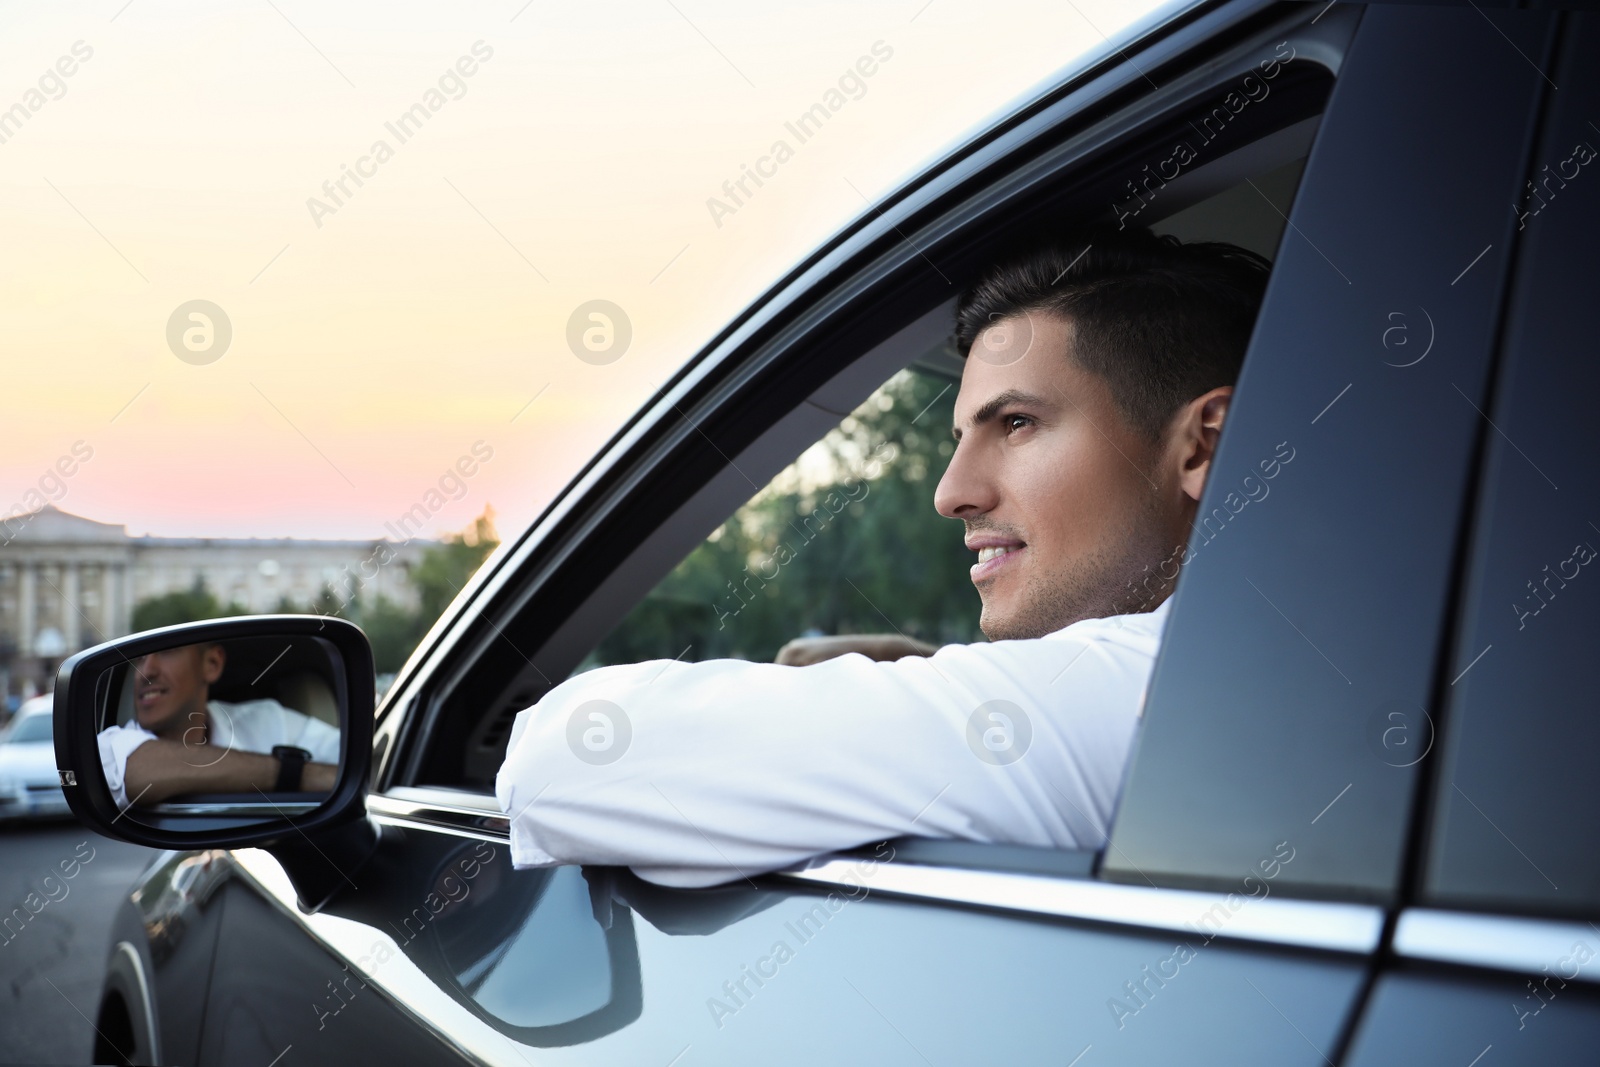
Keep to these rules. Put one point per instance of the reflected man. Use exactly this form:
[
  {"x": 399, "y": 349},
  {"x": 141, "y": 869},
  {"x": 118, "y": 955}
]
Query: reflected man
[{"x": 180, "y": 741}]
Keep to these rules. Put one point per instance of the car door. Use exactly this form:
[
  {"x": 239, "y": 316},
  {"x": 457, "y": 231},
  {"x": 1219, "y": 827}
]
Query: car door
[{"x": 1261, "y": 835}]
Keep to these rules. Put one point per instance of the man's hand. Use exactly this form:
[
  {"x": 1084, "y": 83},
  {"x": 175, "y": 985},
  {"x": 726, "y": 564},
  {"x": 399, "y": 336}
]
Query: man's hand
[
  {"x": 803, "y": 651},
  {"x": 157, "y": 770}
]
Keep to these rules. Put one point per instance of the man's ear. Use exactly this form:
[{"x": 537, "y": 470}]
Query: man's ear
[
  {"x": 212, "y": 659},
  {"x": 1195, "y": 432}
]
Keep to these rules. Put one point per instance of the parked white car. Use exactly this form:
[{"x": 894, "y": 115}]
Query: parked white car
[{"x": 29, "y": 785}]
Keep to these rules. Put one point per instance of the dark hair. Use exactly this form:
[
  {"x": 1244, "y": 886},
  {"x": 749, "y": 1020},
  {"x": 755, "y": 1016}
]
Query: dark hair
[{"x": 1159, "y": 320}]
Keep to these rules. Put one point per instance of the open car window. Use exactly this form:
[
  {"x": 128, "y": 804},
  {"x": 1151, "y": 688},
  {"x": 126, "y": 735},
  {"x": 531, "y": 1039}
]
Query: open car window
[
  {"x": 796, "y": 497},
  {"x": 843, "y": 541}
]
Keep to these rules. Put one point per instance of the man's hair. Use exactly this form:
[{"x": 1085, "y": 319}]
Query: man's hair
[{"x": 1160, "y": 321}]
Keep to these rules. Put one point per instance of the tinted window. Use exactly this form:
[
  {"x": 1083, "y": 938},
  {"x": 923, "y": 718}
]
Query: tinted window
[
  {"x": 34, "y": 729},
  {"x": 1518, "y": 812}
]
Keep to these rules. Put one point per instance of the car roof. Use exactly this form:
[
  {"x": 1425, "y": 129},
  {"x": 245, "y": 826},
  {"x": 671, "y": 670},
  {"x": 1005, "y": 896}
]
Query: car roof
[{"x": 39, "y": 705}]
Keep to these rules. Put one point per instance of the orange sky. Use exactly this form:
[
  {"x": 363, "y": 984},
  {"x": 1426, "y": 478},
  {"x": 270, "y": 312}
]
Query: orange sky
[{"x": 375, "y": 344}]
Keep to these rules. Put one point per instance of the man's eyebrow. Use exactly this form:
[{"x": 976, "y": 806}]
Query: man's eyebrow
[{"x": 991, "y": 410}]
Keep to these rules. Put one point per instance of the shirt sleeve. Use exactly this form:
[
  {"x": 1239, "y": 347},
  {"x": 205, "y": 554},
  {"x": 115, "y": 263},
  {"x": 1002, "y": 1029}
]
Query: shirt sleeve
[
  {"x": 699, "y": 773},
  {"x": 258, "y": 725},
  {"x": 116, "y": 744},
  {"x": 313, "y": 735}
]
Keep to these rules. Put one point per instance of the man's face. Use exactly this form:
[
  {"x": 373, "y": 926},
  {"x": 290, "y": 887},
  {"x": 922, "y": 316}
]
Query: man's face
[
  {"x": 1064, "y": 500},
  {"x": 170, "y": 685}
]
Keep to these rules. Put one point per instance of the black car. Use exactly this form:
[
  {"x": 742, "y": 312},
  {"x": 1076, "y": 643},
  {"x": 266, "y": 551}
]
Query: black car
[{"x": 1360, "y": 824}]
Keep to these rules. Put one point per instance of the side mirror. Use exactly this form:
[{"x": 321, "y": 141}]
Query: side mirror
[{"x": 246, "y": 731}]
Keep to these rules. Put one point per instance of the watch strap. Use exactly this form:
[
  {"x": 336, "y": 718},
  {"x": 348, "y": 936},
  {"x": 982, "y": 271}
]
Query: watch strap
[{"x": 291, "y": 765}]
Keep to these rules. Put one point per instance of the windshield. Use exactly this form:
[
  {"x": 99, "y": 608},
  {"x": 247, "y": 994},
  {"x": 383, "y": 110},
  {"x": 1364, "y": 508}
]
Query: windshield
[{"x": 33, "y": 728}]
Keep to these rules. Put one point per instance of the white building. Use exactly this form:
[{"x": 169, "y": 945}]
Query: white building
[{"x": 67, "y": 582}]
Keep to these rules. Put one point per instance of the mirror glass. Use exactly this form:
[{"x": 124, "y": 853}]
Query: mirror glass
[{"x": 227, "y": 732}]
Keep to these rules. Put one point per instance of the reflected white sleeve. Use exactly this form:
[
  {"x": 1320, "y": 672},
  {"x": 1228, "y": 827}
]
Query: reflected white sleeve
[
  {"x": 316, "y": 737},
  {"x": 699, "y": 773},
  {"x": 116, "y": 744}
]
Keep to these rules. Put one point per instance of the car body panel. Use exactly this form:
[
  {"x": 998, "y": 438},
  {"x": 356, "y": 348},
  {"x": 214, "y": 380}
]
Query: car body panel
[
  {"x": 1424, "y": 1017},
  {"x": 859, "y": 972}
]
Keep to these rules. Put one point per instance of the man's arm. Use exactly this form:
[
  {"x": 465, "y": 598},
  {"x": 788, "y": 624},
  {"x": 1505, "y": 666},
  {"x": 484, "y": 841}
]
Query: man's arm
[
  {"x": 157, "y": 770},
  {"x": 696, "y": 774},
  {"x": 804, "y": 651}
]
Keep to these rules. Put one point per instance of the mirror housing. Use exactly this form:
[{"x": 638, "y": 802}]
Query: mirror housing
[{"x": 306, "y": 842}]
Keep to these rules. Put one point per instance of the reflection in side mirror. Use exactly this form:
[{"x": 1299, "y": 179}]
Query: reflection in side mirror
[
  {"x": 246, "y": 727},
  {"x": 255, "y": 730}
]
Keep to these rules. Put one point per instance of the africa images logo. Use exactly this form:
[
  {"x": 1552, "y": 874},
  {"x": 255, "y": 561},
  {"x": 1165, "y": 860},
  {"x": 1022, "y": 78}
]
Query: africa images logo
[
  {"x": 599, "y": 732},
  {"x": 999, "y": 732},
  {"x": 199, "y": 332}
]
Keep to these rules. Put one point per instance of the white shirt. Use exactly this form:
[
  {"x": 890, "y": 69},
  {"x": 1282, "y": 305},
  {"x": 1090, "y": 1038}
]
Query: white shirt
[
  {"x": 249, "y": 726},
  {"x": 724, "y": 769}
]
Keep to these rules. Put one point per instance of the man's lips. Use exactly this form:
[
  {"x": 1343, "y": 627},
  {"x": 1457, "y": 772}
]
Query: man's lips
[
  {"x": 148, "y": 695},
  {"x": 994, "y": 555}
]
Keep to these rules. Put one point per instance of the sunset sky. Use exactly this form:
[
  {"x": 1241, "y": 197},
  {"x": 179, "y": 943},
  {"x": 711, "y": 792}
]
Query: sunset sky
[{"x": 377, "y": 339}]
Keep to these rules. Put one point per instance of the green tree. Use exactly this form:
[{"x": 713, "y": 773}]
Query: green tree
[
  {"x": 438, "y": 576},
  {"x": 191, "y": 605},
  {"x": 845, "y": 540},
  {"x": 393, "y": 632},
  {"x": 445, "y": 567},
  {"x": 328, "y": 602}
]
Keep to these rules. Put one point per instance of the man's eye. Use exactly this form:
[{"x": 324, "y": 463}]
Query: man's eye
[{"x": 1013, "y": 423}]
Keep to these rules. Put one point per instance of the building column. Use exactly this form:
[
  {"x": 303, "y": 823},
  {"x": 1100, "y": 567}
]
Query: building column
[
  {"x": 124, "y": 599},
  {"x": 27, "y": 594},
  {"x": 71, "y": 621},
  {"x": 108, "y": 601}
]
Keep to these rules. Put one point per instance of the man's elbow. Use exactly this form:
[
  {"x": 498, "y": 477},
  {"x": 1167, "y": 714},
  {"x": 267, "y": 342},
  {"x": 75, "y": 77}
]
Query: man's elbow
[
  {"x": 143, "y": 789},
  {"x": 145, "y": 778}
]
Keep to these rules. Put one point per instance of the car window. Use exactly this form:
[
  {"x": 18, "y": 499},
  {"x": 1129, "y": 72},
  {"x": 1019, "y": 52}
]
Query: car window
[
  {"x": 844, "y": 540},
  {"x": 1516, "y": 810},
  {"x": 34, "y": 728},
  {"x": 626, "y": 570}
]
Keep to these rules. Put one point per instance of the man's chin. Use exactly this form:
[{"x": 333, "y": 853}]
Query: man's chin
[
  {"x": 155, "y": 722},
  {"x": 1011, "y": 625},
  {"x": 1024, "y": 621}
]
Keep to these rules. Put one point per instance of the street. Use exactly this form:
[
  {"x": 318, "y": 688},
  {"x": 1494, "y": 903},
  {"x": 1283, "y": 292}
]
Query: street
[{"x": 52, "y": 961}]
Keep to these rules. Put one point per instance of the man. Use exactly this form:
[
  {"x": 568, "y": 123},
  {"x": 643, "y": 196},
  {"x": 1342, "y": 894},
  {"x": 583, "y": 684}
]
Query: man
[
  {"x": 180, "y": 741},
  {"x": 1096, "y": 383}
]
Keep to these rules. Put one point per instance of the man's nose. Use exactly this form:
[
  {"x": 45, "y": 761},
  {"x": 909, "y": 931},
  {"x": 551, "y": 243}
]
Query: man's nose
[{"x": 967, "y": 488}]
